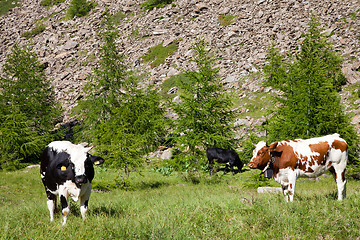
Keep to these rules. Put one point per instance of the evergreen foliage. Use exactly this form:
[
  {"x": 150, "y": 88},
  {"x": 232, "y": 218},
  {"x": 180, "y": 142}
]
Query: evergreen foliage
[
  {"x": 79, "y": 8},
  {"x": 105, "y": 86},
  {"x": 28, "y": 110},
  {"x": 204, "y": 113},
  {"x": 310, "y": 105},
  {"x": 122, "y": 120}
]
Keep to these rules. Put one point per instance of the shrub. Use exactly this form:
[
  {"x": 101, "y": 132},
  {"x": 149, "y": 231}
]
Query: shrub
[
  {"x": 159, "y": 53},
  {"x": 79, "y": 8},
  {"x": 49, "y": 3},
  {"x": 37, "y": 30},
  {"x": 151, "y": 4}
]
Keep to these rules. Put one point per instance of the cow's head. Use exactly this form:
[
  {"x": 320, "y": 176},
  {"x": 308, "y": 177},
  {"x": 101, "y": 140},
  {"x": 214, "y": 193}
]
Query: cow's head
[
  {"x": 74, "y": 163},
  {"x": 261, "y": 155}
]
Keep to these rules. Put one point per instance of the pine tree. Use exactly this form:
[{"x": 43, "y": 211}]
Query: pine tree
[
  {"x": 309, "y": 105},
  {"x": 28, "y": 110},
  {"x": 106, "y": 85},
  {"x": 122, "y": 120},
  {"x": 204, "y": 113}
]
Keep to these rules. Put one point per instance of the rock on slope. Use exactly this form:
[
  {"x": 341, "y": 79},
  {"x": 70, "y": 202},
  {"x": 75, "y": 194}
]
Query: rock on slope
[{"x": 69, "y": 47}]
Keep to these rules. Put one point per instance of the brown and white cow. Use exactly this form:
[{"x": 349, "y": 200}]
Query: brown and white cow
[{"x": 303, "y": 158}]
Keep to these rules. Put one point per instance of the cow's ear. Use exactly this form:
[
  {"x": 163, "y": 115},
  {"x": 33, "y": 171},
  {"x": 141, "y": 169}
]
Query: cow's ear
[
  {"x": 273, "y": 146},
  {"x": 88, "y": 149},
  {"x": 97, "y": 160},
  {"x": 275, "y": 154}
]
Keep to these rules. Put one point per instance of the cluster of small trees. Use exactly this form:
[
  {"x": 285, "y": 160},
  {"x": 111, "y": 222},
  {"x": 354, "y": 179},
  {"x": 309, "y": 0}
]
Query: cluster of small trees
[
  {"x": 28, "y": 111},
  {"x": 309, "y": 105},
  {"x": 125, "y": 122}
]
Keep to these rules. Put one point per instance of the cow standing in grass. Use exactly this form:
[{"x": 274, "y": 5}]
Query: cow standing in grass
[
  {"x": 67, "y": 170},
  {"x": 230, "y": 157},
  {"x": 303, "y": 158}
]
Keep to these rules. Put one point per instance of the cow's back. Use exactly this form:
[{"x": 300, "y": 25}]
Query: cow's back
[{"x": 316, "y": 155}]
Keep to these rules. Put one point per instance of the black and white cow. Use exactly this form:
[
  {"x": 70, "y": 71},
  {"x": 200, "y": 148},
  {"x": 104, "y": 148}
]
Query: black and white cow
[
  {"x": 67, "y": 170},
  {"x": 230, "y": 157}
]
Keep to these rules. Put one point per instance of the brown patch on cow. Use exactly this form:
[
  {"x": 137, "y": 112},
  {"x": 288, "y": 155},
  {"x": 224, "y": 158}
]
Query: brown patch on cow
[
  {"x": 302, "y": 166},
  {"x": 290, "y": 185},
  {"x": 341, "y": 145},
  {"x": 310, "y": 170},
  {"x": 322, "y": 148},
  {"x": 343, "y": 175},
  {"x": 286, "y": 159}
]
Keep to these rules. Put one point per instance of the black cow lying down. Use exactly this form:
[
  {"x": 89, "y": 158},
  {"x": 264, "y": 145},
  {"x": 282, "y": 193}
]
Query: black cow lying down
[{"x": 230, "y": 157}]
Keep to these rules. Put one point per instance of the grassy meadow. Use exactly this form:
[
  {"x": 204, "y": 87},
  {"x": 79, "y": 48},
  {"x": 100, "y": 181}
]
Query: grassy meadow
[{"x": 169, "y": 207}]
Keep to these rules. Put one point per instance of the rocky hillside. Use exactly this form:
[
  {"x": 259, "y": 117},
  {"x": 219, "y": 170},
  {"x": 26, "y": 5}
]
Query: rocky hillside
[{"x": 69, "y": 47}]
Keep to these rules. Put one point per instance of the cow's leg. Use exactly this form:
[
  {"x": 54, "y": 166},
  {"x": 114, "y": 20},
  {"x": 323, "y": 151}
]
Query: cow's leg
[
  {"x": 51, "y": 203},
  {"x": 288, "y": 187},
  {"x": 210, "y": 162},
  {"x": 229, "y": 165},
  {"x": 338, "y": 172},
  {"x": 65, "y": 210},
  {"x": 232, "y": 169},
  {"x": 84, "y": 200}
]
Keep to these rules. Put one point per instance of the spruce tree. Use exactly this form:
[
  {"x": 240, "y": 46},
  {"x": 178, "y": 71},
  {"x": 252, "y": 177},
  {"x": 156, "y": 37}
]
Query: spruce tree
[
  {"x": 124, "y": 121},
  {"x": 105, "y": 88},
  {"x": 28, "y": 109},
  {"x": 204, "y": 113},
  {"x": 309, "y": 105}
]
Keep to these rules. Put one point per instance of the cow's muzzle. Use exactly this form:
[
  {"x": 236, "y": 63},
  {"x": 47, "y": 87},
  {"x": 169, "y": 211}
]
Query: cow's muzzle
[
  {"x": 81, "y": 179},
  {"x": 251, "y": 165}
]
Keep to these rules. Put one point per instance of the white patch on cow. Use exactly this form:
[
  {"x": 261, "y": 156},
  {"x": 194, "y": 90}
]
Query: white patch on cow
[
  {"x": 65, "y": 212},
  {"x": 51, "y": 207},
  {"x": 337, "y": 156},
  {"x": 258, "y": 146},
  {"x": 78, "y": 154},
  {"x": 56, "y": 192},
  {"x": 69, "y": 188}
]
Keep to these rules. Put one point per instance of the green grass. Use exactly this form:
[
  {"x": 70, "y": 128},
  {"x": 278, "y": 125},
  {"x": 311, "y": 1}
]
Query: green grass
[
  {"x": 174, "y": 81},
  {"x": 226, "y": 20},
  {"x": 151, "y": 4},
  {"x": 32, "y": 33},
  {"x": 50, "y": 3},
  {"x": 159, "y": 53},
  {"x": 6, "y": 5},
  {"x": 118, "y": 17},
  {"x": 161, "y": 207}
]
